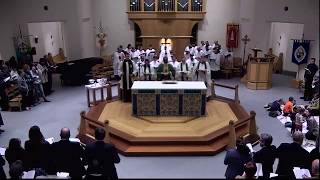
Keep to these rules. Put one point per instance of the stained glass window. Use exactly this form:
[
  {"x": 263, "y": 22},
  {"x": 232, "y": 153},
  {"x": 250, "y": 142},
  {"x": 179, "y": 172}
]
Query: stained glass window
[
  {"x": 166, "y": 5},
  {"x": 182, "y": 5},
  {"x": 149, "y": 5},
  {"x": 134, "y": 5},
  {"x": 196, "y": 5}
]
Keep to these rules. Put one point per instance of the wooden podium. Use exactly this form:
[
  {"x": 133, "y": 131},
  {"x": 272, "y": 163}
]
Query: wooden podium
[{"x": 259, "y": 73}]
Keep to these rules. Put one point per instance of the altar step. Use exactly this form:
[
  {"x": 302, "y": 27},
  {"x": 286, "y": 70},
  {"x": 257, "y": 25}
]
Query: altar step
[{"x": 161, "y": 148}]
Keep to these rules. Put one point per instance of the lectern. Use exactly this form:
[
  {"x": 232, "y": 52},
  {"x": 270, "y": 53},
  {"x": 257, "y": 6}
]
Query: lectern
[{"x": 259, "y": 72}]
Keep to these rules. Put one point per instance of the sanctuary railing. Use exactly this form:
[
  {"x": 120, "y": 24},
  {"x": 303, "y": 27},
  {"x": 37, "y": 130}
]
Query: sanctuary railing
[{"x": 235, "y": 88}]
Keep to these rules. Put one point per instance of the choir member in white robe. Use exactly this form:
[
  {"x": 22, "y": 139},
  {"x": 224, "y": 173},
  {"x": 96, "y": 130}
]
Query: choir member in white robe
[
  {"x": 128, "y": 49},
  {"x": 154, "y": 64},
  {"x": 135, "y": 55},
  {"x": 128, "y": 69},
  {"x": 192, "y": 62},
  {"x": 183, "y": 71},
  {"x": 215, "y": 59},
  {"x": 139, "y": 66},
  {"x": 118, "y": 56},
  {"x": 149, "y": 50},
  {"x": 165, "y": 51},
  {"x": 147, "y": 71},
  {"x": 203, "y": 73}
]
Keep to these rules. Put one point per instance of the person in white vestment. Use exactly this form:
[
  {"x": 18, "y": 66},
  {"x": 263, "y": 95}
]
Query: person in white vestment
[
  {"x": 127, "y": 71},
  {"x": 174, "y": 62},
  {"x": 140, "y": 65},
  {"x": 215, "y": 58},
  {"x": 203, "y": 73},
  {"x": 183, "y": 71},
  {"x": 147, "y": 71},
  {"x": 148, "y": 51},
  {"x": 165, "y": 51},
  {"x": 154, "y": 64},
  {"x": 118, "y": 56},
  {"x": 135, "y": 55},
  {"x": 192, "y": 62}
]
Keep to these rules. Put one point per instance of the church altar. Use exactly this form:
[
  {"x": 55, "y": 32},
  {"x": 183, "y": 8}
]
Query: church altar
[{"x": 174, "y": 98}]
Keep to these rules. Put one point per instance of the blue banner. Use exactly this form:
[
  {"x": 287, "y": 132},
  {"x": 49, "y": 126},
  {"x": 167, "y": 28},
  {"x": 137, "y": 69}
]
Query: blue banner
[{"x": 300, "y": 51}]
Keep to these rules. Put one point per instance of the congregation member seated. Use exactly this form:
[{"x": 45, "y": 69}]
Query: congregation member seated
[
  {"x": 250, "y": 170},
  {"x": 37, "y": 152},
  {"x": 236, "y": 158},
  {"x": 266, "y": 155},
  {"x": 288, "y": 106},
  {"x": 314, "y": 154},
  {"x": 101, "y": 158},
  {"x": 313, "y": 107},
  {"x": 313, "y": 128},
  {"x": 275, "y": 105},
  {"x": 38, "y": 84},
  {"x": 15, "y": 152},
  {"x": 292, "y": 155},
  {"x": 67, "y": 155},
  {"x": 300, "y": 118},
  {"x": 16, "y": 170}
]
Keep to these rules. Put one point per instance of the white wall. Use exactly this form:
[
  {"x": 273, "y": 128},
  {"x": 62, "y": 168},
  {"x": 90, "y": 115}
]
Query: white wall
[
  {"x": 24, "y": 12},
  {"x": 6, "y": 41},
  {"x": 286, "y": 31},
  {"x": 112, "y": 14},
  {"x": 268, "y": 11},
  {"x": 219, "y": 14},
  {"x": 45, "y": 44}
]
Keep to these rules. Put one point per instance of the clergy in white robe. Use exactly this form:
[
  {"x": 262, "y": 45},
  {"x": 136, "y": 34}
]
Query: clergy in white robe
[
  {"x": 118, "y": 56},
  {"x": 183, "y": 71},
  {"x": 192, "y": 62},
  {"x": 154, "y": 64},
  {"x": 128, "y": 69},
  {"x": 147, "y": 71},
  {"x": 203, "y": 73},
  {"x": 215, "y": 59}
]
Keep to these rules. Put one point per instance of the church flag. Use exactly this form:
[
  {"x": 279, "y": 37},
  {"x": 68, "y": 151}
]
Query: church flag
[
  {"x": 300, "y": 51},
  {"x": 232, "y": 36}
]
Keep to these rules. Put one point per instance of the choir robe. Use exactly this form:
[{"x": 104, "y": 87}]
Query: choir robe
[
  {"x": 203, "y": 73},
  {"x": 165, "y": 72},
  {"x": 183, "y": 72},
  {"x": 148, "y": 73},
  {"x": 117, "y": 58},
  {"x": 128, "y": 69},
  {"x": 192, "y": 64}
]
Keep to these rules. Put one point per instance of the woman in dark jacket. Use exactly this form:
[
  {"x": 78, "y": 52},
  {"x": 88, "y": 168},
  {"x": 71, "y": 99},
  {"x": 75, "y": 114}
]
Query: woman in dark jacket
[
  {"x": 38, "y": 151},
  {"x": 236, "y": 158},
  {"x": 15, "y": 152}
]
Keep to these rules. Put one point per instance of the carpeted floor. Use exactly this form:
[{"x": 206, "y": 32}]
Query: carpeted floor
[{"x": 67, "y": 102}]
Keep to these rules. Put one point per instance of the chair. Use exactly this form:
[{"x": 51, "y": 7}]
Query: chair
[{"x": 15, "y": 98}]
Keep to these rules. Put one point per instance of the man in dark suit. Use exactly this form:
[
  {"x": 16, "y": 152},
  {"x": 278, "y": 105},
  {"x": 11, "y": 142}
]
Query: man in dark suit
[
  {"x": 67, "y": 155},
  {"x": 266, "y": 155},
  {"x": 292, "y": 155},
  {"x": 101, "y": 157}
]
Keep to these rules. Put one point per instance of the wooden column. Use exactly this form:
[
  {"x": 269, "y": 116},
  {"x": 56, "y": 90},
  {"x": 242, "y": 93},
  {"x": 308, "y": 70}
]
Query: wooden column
[
  {"x": 141, "y": 5},
  {"x": 253, "y": 126},
  {"x": 236, "y": 94},
  {"x": 232, "y": 135},
  {"x": 106, "y": 128},
  {"x": 119, "y": 92},
  {"x": 213, "y": 90},
  {"x": 189, "y": 7},
  {"x": 109, "y": 92},
  {"x": 83, "y": 124},
  {"x": 156, "y": 5}
]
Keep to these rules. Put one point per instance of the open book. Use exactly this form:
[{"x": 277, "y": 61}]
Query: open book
[{"x": 301, "y": 173}]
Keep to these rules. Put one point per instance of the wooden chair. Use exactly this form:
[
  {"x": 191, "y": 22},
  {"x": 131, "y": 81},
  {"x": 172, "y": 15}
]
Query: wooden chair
[{"x": 15, "y": 98}]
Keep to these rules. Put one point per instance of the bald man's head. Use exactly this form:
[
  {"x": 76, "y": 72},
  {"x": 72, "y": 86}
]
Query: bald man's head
[
  {"x": 298, "y": 137},
  {"x": 65, "y": 133},
  {"x": 315, "y": 168}
]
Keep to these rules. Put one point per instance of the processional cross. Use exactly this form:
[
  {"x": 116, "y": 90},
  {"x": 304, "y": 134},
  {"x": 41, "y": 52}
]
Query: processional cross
[{"x": 245, "y": 41}]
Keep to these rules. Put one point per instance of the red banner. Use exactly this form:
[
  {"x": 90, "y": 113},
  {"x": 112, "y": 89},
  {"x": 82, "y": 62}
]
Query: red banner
[{"x": 232, "y": 36}]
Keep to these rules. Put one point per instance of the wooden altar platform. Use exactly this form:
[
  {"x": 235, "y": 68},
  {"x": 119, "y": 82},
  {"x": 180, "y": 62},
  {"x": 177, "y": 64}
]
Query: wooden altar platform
[{"x": 155, "y": 135}]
